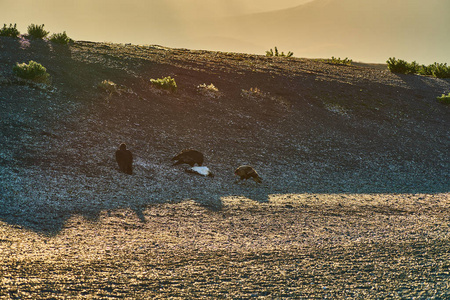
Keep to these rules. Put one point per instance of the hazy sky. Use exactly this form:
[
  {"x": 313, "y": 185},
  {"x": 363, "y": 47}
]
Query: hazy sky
[
  {"x": 165, "y": 22},
  {"x": 130, "y": 12},
  {"x": 363, "y": 30}
]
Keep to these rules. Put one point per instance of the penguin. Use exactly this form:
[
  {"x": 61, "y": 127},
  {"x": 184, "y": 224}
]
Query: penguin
[
  {"x": 246, "y": 172},
  {"x": 188, "y": 156}
]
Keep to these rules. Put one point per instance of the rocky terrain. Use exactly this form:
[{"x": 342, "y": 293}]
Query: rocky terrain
[{"x": 354, "y": 162}]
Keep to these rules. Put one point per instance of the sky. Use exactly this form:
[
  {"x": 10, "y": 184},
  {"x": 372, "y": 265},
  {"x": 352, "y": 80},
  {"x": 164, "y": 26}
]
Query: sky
[
  {"x": 172, "y": 23},
  {"x": 86, "y": 18},
  {"x": 363, "y": 30}
]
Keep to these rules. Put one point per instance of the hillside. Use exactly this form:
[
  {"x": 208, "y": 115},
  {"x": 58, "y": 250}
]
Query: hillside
[
  {"x": 327, "y": 128},
  {"x": 342, "y": 140}
]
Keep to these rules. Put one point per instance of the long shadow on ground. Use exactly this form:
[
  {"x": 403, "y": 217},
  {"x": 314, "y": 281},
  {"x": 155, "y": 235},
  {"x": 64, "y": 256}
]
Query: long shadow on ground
[
  {"x": 313, "y": 134},
  {"x": 42, "y": 201}
]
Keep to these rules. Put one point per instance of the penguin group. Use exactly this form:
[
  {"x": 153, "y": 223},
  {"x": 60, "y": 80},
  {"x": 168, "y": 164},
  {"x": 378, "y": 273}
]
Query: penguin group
[{"x": 190, "y": 157}]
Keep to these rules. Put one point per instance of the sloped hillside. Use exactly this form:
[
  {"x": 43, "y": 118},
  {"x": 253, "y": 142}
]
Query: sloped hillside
[
  {"x": 354, "y": 161},
  {"x": 305, "y": 125}
]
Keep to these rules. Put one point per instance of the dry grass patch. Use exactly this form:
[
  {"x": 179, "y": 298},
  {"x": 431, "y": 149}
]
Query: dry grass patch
[
  {"x": 256, "y": 94},
  {"x": 209, "y": 91}
]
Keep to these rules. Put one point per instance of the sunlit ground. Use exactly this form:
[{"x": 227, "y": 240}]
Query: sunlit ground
[{"x": 297, "y": 245}]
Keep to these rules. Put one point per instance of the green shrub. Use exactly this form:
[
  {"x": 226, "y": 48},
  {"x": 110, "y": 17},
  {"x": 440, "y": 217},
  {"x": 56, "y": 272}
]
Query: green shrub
[
  {"x": 439, "y": 70},
  {"x": 166, "y": 83},
  {"x": 425, "y": 70},
  {"x": 9, "y": 31},
  {"x": 60, "y": 38},
  {"x": 436, "y": 70},
  {"x": 33, "y": 71},
  {"x": 444, "y": 99},
  {"x": 414, "y": 67},
  {"x": 37, "y": 31},
  {"x": 271, "y": 53},
  {"x": 401, "y": 66},
  {"x": 338, "y": 61}
]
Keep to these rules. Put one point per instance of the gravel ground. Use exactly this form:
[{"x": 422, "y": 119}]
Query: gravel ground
[
  {"x": 310, "y": 246},
  {"x": 354, "y": 162}
]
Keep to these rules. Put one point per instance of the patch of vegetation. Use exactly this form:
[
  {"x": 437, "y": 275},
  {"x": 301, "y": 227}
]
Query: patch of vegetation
[
  {"x": 425, "y": 70},
  {"x": 444, "y": 99},
  {"x": 336, "y": 108},
  {"x": 37, "y": 31},
  {"x": 338, "y": 61},
  {"x": 258, "y": 95},
  {"x": 438, "y": 70},
  {"x": 209, "y": 90},
  {"x": 111, "y": 88},
  {"x": 60, "y": 38},
  {"x": 10, "y": 31},
  {"x": 32, "y": 71},
  {"x": 166, "y": 83},
  {"x": 107, "y": 86},
  {"x": 254, "y": 93},
  {"x": 400, "y": 66},
  {"x": 272, "y": 53}
]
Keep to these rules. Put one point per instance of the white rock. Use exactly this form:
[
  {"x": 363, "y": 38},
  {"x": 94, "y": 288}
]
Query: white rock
[{"x": 204, "y": 171}]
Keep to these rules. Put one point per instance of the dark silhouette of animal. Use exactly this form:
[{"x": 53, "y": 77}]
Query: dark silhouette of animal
[
  {"x": 190, "y": 157},
  {"x": 125, "y": 159},
  {"x": 246, "y": 172}
]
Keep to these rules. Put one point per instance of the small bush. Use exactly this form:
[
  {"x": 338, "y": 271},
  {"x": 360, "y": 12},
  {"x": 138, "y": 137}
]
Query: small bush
[
  {"x": 112, "y": 88},
  {"x": 166, "y": 83},
  {"x": 33, "y": 71},
  {"x": 60, "y": 38},
  {"x": 271, "y": 53},
  {"x": 338, "y": 61},
  {"x": 254, "y": 93},
  {"x": 209, "y": 90},
  {"x": 37, "y": 31},
  {"x": 439, "y": 70},
  {"x": 444, "y": 99},
  {"x": 401, "y": 66},
  {"x": 9, "y": 31},
  {"x": 107, "y": 86},
  {"x": 425, "y": 70}
]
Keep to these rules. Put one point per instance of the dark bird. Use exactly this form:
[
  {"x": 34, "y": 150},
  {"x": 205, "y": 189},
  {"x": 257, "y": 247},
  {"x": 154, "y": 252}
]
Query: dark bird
[
  {"x": 190, "y": 157},
  {"x": 246, "y": 172},
  {"x": 125, "y": 159}
]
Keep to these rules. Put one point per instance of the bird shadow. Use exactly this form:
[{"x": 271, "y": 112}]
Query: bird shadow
[{"x": 47, "y": 210}]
